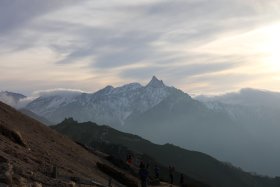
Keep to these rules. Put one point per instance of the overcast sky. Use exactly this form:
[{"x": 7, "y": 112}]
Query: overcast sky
[{"x": 199, "y": 46}]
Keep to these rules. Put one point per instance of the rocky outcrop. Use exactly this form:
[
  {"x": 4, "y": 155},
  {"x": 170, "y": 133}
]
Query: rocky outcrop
[{"x": 13, "y": 135}]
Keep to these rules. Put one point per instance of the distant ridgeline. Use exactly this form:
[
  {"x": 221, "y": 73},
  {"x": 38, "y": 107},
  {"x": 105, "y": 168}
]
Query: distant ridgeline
[{"x": 195, "y": 165}]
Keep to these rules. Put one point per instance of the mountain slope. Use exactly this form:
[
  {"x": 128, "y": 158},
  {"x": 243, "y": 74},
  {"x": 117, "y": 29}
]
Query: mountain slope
[
  {"x": 36, "y": 117},
  {"x": 30, "y": 150},
  {"x": 197, "y": 165}
]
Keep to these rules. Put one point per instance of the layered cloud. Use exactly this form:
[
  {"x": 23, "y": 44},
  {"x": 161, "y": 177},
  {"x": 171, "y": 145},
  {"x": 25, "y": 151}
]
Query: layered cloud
[
  {"x": 20, "y": 101},
  {"x": 196, "y": 45}
]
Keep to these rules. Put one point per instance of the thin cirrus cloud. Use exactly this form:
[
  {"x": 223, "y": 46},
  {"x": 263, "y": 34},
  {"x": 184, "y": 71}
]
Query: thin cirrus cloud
[
  {"x": 16, "y": 13},
  {"x": 121, "y": 41}
]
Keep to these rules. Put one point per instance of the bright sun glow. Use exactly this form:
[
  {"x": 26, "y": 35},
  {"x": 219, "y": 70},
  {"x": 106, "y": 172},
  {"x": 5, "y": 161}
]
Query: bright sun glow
[
  {"x": 262, "y": 46},
  {"x": 270, "y": 46}
]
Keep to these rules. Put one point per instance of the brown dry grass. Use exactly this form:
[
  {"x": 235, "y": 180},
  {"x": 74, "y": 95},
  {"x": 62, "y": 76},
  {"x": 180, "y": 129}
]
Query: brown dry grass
[{"x": 44, "y": 149}]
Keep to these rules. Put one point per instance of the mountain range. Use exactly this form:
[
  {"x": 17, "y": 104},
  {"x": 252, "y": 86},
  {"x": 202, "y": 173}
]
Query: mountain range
[
  {"x": 241, "y": 128},
  {"x": 107, "y": 106},
  {"x": 196, "y": 165}
]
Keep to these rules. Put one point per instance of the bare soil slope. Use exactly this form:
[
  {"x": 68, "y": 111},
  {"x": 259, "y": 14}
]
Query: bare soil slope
[{"x": 29, "y": 151}]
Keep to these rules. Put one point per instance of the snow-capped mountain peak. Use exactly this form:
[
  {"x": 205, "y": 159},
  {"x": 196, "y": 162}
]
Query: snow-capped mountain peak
[
  {"x": 155, "y": 83},
  {"x": 105, "y": 91}
]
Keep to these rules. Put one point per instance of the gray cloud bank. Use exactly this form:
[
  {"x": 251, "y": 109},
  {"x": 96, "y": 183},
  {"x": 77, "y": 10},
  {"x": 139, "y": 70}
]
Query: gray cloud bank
[{"x": 135, "y": 39}]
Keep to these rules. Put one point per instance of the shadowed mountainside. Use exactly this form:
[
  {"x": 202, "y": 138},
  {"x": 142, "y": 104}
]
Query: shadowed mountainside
[{"x": 194, "y": 164}]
